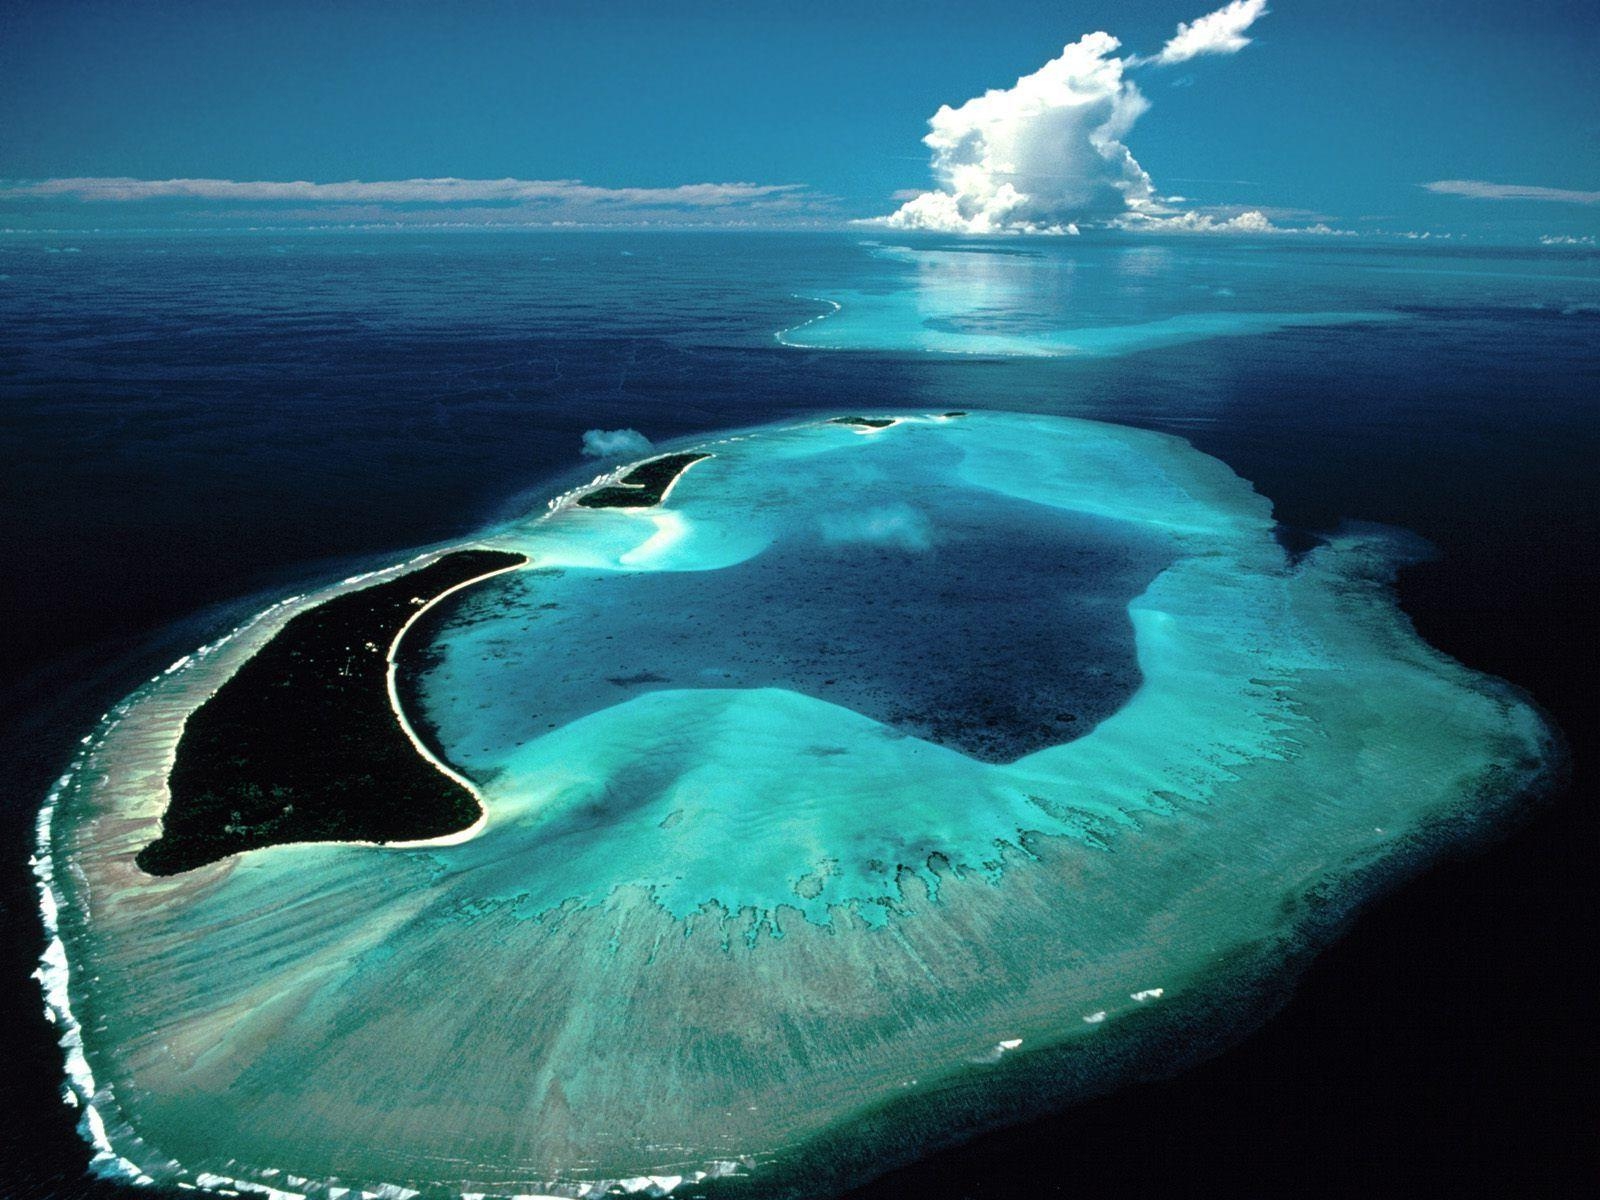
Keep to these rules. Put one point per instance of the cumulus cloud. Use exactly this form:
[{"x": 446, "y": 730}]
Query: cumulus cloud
[
  {"x": 1249, "y": 221},
  {"x": 1220, "y": 32},
  {"x": 1478, "y": 189},
  {"x": 1040, "y": 156},
  {"x": 615, "y": 444},
  {"x": 1048, "y": 154}
]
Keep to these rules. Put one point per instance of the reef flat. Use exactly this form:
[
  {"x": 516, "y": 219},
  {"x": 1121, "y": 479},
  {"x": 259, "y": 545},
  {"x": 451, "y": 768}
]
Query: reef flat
[
  {"x": 743, "y": 887},
  {"x": 986, "y": 301},
  {"x": 301, "y": 744}
]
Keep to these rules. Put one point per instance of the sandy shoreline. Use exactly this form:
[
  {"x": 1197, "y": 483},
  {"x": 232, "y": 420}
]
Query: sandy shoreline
[{"x": 392, "y": 669}]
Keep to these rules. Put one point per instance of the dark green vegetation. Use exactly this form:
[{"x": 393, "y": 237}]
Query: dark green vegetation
[
  {"x": 643, "y": 486},
  {"x": 300, "y": 745},
  {"x": 864, "y": 422}
]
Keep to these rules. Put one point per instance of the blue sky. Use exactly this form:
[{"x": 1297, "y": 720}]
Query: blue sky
[{"x": 1332, "y": 114}]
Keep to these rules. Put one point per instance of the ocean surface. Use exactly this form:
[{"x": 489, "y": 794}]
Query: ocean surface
[{"x": 194, "y": 425}]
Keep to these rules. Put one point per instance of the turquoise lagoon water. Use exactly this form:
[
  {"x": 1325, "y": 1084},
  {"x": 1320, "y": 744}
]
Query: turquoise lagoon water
[
  {"x": 984, "y": 301},
  {"x": 866, "y": 760}
]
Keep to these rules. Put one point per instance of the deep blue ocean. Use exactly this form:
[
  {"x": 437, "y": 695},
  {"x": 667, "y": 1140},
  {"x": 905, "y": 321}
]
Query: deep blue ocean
[{"x": 191, "y": 424}]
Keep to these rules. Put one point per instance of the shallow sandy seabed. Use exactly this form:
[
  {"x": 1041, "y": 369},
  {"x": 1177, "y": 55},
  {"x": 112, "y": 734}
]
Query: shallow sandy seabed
[
  {"x": 982, "y": 301},
  {"x": 684, "y": 937}
]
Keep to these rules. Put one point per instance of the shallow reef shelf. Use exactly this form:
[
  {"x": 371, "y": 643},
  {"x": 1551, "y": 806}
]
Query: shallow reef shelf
[{"x": 877, "y": 768}]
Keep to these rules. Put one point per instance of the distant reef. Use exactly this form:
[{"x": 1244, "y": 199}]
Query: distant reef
[
  {"x": 864, "y": 422},
  {"x": 302, "y": 744}
]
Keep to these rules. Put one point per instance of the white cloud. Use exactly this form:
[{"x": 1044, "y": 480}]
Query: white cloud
[
  {"x": 399, "y": 191},
  {"x": 1220, "y": 32},
  {"x": 1040, "y": 156},
  {"x": 1478, "y": 189},
  {"x": 1048, "y": 154},
  {"x": 1250, "y": 221},
  {"x": 1414, "y": 235},
  {"x": 459, "y": 201},
  {"x": 615, "y": 444}
]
